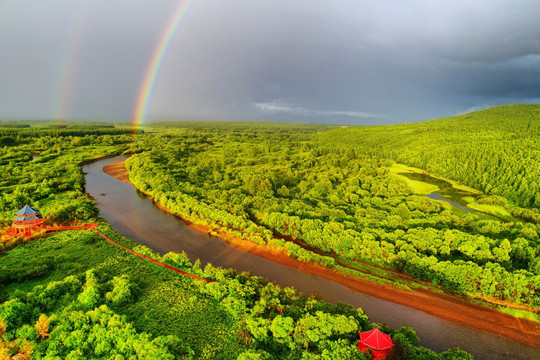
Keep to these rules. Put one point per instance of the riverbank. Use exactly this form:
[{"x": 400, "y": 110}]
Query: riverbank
[
  {"x": 444, "y": 306},
  {"x": 117, "y": 170}
]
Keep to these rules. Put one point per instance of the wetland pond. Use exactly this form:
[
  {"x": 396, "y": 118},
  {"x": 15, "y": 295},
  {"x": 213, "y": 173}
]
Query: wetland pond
[
  {"x": 446, "y": 191},
  {"x": 458, "y": 198}
]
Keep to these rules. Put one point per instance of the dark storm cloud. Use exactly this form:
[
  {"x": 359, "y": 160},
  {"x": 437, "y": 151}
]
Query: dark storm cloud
[{"x": 353, "y": 61}]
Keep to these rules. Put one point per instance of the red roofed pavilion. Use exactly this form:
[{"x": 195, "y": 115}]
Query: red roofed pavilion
[{"x": 379, "y": 345}]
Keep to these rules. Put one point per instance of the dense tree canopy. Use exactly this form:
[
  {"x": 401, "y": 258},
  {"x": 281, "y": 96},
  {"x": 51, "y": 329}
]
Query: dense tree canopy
[
  {"x": 305, "y": 193},
  {"x": 74, "y": 296},
  {"x": 493, "y": 150}
]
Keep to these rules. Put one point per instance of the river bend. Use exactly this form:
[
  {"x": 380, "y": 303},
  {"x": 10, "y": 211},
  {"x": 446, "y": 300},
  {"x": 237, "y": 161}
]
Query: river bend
[{"x": 136, "y": 217}]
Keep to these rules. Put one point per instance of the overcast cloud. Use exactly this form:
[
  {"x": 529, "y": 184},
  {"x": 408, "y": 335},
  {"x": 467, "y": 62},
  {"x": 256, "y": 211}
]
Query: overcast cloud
[{"x": 358, "y": 62}]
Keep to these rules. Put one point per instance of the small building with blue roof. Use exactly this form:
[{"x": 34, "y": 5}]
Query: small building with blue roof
[{"x": 27, "y": 220}]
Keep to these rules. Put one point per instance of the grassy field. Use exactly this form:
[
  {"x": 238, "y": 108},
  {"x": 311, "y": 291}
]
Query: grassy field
[{"x": 418, "y": 187}]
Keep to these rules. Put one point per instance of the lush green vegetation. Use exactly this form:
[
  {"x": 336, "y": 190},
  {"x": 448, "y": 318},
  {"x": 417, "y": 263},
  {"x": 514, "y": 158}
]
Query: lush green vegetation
[
  {"x": 40, "y": 166},
  {"x": 299, "y": 191},
  {"x": 493, "y": 150},
  {"x": 114, "y": 305},
  {"x": 107, "y": 304},
  {"x": 72, "y": 295}
]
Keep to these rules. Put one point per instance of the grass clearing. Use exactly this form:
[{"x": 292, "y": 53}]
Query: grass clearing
[
  {"x": 421, "y": 187},
  {"x": 496, "y": 210},
  {"x": 418, "y": 187}
]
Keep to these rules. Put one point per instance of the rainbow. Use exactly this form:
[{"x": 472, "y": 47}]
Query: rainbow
[
  {"x": 68, "y": 69},
  {"x": 147, "y": 86},
  {"x": 67, "y": 82}
]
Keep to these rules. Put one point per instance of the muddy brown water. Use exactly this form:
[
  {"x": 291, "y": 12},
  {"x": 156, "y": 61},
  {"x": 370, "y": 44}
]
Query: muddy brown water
[{"x": 136, "y": 217}]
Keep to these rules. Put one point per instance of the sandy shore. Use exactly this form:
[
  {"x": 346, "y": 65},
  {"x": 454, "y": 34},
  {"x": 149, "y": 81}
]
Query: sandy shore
[
  {"x": 117, "y": 170},
  {"x": 444, "y": 306}
]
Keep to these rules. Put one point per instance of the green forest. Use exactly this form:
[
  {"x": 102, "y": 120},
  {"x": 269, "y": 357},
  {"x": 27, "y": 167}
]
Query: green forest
[
  {"x": 58, "y": 302},
  {"x": 40, "y": 166},
  {"x": 322, "y": 197},
  {"x": 493, "y": 150},
  {"x": 71, "y": 295},
  {"x": 349, "y": 199}
]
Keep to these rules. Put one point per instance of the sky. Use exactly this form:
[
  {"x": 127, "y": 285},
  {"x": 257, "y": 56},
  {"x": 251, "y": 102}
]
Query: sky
[{"x": 309, "y": 61}]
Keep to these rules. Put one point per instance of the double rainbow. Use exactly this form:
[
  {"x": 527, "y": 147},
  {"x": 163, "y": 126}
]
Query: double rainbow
[
  {"x": 152, "y": 71},
  {"x": 68, "y": 69}
]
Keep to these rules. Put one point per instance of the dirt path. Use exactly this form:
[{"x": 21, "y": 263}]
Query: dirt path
[
  {"x": 159, "y": 263},
  {"x": 444, "y": 306}
]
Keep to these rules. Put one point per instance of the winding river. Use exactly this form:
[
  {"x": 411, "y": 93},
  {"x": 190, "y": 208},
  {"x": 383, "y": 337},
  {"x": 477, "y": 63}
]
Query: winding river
[{"x": 136, "y": 217}]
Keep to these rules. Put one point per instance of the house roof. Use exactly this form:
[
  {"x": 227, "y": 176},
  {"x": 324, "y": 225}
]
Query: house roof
[
  {"x": 35, "y": 217},
  {"x": 376, "y": 340},
  {"x": 26, "y": 210}
]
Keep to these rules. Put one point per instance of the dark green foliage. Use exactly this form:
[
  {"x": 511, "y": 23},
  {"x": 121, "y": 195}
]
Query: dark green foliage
[
  {"x": 13, "y": 125},
  {"x": 240, "y": 126},
  {"x": 320, "y": 201},
  {"x": 24, "y": 133}
]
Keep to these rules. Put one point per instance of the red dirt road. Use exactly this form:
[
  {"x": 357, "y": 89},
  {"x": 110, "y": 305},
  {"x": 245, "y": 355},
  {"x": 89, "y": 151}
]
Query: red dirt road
[{"x": 159, "y": 263}]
